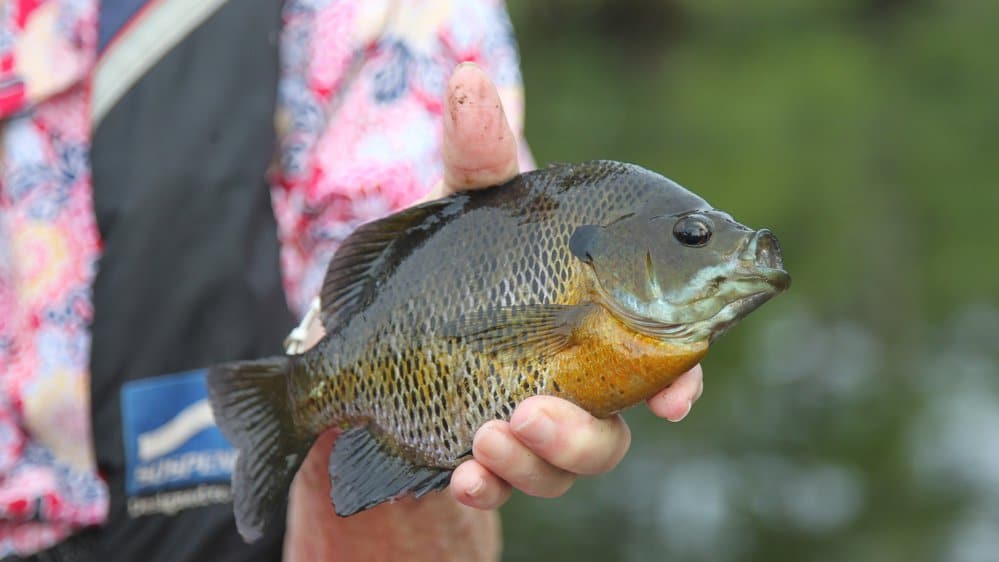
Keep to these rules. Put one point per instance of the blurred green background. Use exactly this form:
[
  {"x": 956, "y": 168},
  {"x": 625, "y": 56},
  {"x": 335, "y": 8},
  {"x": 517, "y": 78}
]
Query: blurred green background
[{"x": 855, "y": 418}]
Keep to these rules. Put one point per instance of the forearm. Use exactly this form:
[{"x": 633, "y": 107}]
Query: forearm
[{"x": 433, "y": 528}]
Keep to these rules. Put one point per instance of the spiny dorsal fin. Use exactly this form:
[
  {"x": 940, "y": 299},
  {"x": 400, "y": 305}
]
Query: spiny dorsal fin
[
  {"x": 365, "y": 471},
  {"x": 535, "y": 329},
  {"x": 371, "y": 253}
]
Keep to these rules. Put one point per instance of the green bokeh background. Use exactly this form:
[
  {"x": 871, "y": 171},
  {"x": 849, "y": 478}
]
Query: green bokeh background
[{"x": 855, "y": 418}]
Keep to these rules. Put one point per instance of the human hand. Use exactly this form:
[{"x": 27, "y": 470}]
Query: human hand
[{"x": 548, "y": 442}]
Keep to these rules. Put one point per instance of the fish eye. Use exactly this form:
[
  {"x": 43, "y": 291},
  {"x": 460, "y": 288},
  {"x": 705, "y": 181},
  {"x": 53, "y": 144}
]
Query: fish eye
[{"x": 693, "y": 231}]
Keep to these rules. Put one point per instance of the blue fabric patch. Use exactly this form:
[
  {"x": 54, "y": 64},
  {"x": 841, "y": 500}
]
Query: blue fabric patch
[
  {"x": 114, "y": 15},
  {"x": 171, "y": 440}
]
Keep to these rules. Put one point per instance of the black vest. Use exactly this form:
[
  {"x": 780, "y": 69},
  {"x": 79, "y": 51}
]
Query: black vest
[{"x": 189, "y": 274}]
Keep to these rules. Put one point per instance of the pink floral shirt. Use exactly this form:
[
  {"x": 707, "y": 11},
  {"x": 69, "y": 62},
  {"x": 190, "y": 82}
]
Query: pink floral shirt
[{"x": 359, "y": 128}]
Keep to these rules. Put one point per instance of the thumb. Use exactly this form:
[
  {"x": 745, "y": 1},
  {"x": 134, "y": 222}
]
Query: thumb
[{"x": 479, "y": 148}]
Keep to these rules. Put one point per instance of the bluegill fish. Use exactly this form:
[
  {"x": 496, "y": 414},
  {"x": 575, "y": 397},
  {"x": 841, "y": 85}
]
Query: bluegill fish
[{"x": 598, "y": 283}]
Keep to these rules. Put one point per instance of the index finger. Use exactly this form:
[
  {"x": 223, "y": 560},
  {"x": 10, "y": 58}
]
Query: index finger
[
  {"x": 568, "y": 437},
  {"x": 674, "y": 402}
]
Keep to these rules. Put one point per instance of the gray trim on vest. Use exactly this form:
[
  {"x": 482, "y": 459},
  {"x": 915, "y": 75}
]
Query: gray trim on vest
[{"x": 158, "y": 28}]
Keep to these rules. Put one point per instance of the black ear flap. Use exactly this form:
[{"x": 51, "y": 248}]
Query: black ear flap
[{"x": 582, "y": 240}]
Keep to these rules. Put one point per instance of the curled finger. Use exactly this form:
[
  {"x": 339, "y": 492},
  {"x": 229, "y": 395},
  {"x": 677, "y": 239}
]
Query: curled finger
[
  {"x": 504, "y": 455},
  {"x": 474, "y": 485},
  {"x": 569, "y": 437},
  {"x": 675, "y": 402}
]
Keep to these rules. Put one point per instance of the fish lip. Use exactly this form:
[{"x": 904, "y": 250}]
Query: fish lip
[
  {"x": 743, "y": 306},
  {"x": 761, "y": 258},
  {"x": 766, "y": 250},
  {"x": 778, "y": 280}
]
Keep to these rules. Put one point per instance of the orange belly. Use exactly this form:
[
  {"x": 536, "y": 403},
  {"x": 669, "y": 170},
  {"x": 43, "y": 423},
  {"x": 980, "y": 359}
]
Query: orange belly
[{"x": 611, "y": 367}]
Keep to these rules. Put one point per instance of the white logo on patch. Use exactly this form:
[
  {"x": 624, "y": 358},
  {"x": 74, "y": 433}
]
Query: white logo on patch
[{"x": 171, "y": 435}]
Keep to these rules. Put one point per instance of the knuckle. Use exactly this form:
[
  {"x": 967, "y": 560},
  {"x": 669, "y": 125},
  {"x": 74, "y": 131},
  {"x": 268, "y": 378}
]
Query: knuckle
[
  {"x": 555, "y": 485},
  {"x": 535, "y": 477},
  {"x": 597, "y": 449},
  {"x": 574, "y": 453},
  {"x": 492, "y": 446},
  {"x": 527, "y": 472}
]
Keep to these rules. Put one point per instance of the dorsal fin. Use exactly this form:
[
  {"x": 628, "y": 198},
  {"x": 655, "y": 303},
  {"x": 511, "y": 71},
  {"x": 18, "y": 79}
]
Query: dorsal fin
[{"x": 372, "y": 252}]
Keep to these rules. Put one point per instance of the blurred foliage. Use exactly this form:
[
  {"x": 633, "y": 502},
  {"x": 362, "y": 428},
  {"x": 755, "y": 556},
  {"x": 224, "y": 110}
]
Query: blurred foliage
[{"x": 856, "y": 417}]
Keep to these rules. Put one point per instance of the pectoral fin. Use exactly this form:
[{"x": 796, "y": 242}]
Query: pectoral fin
[
  {"x": 535, "y": 330},
  {"x": 365, "y": 471}
]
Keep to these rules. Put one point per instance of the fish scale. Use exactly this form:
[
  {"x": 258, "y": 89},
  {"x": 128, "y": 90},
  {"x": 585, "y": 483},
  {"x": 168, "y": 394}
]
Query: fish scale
[
  {"x": 520, "y": 282},
  {"x": 445, "y": 316}
]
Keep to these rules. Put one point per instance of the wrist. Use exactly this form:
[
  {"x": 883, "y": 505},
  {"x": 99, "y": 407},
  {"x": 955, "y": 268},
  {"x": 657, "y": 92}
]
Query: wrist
[{"x": 435, "y": 527}]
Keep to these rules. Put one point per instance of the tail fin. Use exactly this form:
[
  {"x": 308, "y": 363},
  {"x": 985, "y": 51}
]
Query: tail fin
[{"x": 252, "y": 407}]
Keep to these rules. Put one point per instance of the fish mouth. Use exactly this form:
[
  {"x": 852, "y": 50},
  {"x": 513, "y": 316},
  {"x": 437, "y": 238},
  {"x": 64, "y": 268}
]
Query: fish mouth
[
  {"x": 733, "y": 312},
  {"x": 756, "y": 275},
  {"x": 762, "y": 259},
  {"x": 762, "y": 266},
  {"x": 708, "y": 328}
]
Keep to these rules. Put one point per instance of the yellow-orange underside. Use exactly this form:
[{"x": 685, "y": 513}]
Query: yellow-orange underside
[{"x": 611, "y": 367}]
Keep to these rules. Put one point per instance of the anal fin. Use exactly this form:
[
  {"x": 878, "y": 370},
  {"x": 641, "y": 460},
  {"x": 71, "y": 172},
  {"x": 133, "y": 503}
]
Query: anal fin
[{"x": 365, "y": 472}]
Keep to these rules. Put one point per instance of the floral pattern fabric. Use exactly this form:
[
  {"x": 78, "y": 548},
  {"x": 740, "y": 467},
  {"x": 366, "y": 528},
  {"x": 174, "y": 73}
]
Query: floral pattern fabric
[
  {"x": 359, "y": 114},
  {"x": 48, "y": 250},
  {"x": 359, "y": 129}
]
